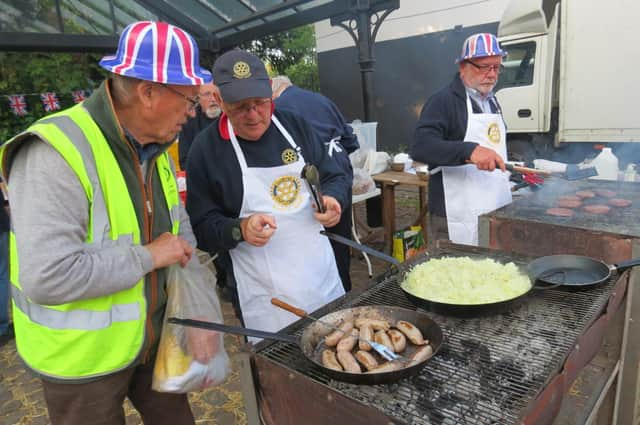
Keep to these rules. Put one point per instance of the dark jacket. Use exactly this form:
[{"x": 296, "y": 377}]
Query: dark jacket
[
  {"x": 321, "y": 112},
  {"x": 439, "y": 135},
  {"x": 189, "y": 132},
  {"x": 215, "y": 191}
]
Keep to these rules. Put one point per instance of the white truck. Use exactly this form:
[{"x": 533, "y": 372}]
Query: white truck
[{"x": 571, "y": 78}]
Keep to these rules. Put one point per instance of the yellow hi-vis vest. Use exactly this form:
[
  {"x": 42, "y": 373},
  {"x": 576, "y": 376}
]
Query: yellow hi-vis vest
[{"x": 98, "y": 336}]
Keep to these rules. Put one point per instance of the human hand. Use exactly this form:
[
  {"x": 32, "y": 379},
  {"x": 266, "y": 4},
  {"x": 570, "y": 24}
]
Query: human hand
[
  {"x": 486, "y": 159},
  {"x": 202, "y": 344},
  {"x": 257, "y": 229},
  {"x": 168, "y": 249},
  {"x": 332, "y": 212}
]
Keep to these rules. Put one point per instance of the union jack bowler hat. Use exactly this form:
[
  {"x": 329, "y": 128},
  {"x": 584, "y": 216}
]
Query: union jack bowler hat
[
  {"x": 241, "y": 75},
  {"x": 480, "y": 46},
  {"x": 159, "y": 52}
]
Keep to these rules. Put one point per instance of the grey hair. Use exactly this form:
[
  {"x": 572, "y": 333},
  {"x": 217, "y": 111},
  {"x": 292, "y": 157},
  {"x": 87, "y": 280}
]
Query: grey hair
[
  {"x": 123, "y": 88},
  {"x": 279, "y": 83}
]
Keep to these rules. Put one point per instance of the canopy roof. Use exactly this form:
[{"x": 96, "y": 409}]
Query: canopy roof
[{"x": 93, "y": 25}]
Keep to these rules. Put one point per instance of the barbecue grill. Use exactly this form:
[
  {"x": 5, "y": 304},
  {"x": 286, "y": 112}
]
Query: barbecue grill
[
  {"x": 524, "y": 227},
  {"x": 490, "y": 370}
]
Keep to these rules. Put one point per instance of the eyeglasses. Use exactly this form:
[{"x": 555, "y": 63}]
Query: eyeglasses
[
  {"x": 193, "y": 101},
  {"x": 245, "y": 108},
  {"x": 485, "y": 69}
]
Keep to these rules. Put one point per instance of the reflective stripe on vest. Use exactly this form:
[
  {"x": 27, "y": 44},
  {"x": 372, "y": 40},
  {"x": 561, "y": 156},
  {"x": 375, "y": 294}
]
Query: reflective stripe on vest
[{"x": 76, "y": 340}]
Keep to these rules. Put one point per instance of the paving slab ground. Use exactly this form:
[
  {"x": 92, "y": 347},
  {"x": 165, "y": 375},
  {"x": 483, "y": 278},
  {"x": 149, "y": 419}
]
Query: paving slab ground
[{"x": 21, "y": 396}]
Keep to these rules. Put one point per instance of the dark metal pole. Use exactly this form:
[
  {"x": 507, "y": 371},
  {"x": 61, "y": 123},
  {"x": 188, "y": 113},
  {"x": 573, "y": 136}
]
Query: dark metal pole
[
  {"x": 366, "y": 61},
  {"x": 59, "y": 15}
]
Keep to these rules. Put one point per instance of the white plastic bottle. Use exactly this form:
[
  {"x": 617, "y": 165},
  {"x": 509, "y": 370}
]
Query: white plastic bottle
[{"x": 606, "y": 164}]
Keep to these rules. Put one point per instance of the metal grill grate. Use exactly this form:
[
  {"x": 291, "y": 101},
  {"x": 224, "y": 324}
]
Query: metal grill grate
[{"x": 488, "y": 370}]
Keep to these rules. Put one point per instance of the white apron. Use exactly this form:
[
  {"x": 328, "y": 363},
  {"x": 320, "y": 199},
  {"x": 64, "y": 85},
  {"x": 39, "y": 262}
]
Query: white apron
[
  {"x": 297, "y": 264},
  {"x": 469, "y": 192}
]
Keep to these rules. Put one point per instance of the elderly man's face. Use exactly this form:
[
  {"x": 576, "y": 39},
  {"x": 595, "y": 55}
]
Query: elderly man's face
[
  {"x": 175, "y": 108},
  {"x": 250, "y": 118},
  {"x": 481, "y": 73},
  {"x": 207, "y": 102}
]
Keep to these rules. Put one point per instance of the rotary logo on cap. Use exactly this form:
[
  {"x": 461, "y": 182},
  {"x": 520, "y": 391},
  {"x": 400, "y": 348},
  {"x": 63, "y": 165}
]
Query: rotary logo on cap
[{"x": 241, "y": 70}]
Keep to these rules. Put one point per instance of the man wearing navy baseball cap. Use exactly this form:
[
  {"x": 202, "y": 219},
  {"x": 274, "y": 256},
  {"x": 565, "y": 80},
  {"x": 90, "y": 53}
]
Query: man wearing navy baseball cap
[
  {"x": 247, "y": 199},
  {"x": 97, "y": 221},
  {"x": 461, "y": 135}
]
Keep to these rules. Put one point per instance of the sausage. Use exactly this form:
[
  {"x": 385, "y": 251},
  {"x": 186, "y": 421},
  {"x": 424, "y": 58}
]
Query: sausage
[
  {"x": 365, "y": 333},
  {"x": 348, "y": 362},
  {"x": 569, "y": 203},
  {"x": 334, "y": 337},
  {"x": 596, "y": 209},
  {"x": 367, "y": 360},
  {"x": 582, "y": 194},
  {"x": 421, "y": 355},
  {"x": 381, "y": 337},
  {"x": 329, "y": 360},
  {"x": 398, "y": 340},
  {"x": 605, "y": 193},
  {"x": 348, "y": 342},
  {"x": 387, "y": 367},
  {"x": 375, "y": 324},
  {"x": 620, "y": 202},
  {"x": 411, "y": 332},
  {"x": 560, "y": 212}
]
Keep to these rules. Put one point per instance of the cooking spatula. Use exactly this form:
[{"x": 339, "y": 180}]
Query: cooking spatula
[{"x": 381, "y": 349}]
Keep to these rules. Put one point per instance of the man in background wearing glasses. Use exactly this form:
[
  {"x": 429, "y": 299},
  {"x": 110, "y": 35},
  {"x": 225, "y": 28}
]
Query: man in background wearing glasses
[
  {"x": 207, "y": 111},
  {"x": 247, "y": 200},
  {"x": 461, "y": 135}
]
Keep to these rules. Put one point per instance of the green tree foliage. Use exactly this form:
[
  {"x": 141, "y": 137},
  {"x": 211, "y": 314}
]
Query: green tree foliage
[
  {"x": 291, "y": 53},
  {"x": 34, "y": 73}
]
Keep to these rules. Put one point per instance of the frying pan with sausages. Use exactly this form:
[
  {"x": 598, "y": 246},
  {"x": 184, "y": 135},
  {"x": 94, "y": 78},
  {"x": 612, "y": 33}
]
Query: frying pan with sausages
[{"x": 311, "y": 341}]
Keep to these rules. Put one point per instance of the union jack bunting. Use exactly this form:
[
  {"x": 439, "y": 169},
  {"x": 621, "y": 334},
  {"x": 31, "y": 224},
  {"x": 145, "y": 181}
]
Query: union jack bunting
[
  {"x": 78, "y": 95},
  {"x": 480, "y": 46},
  {"x": 50, "y": 101},
  {"x": 18, "y": 104},
  {"x": 157, "y": 51}
]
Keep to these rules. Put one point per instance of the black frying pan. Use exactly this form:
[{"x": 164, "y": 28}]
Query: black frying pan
[
  {"x": 575, "y": 270},
  {"x": 447, "y": 309},
  {"x": 311, "y": 342}
]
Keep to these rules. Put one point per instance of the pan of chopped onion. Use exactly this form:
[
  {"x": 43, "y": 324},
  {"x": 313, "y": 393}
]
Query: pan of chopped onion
[{"x": 465, "y": 286}]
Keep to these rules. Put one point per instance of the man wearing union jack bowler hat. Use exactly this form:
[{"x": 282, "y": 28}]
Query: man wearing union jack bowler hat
[
  {"x": 97, "y": 221},
  {"x": 461, "y": 136}
]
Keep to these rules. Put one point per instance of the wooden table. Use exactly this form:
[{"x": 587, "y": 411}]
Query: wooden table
[{"x": 389, "y": 180}]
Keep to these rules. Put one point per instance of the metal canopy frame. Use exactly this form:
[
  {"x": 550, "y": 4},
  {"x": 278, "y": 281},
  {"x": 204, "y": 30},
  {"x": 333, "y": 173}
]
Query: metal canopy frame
[{"x": 97, "y": 22}]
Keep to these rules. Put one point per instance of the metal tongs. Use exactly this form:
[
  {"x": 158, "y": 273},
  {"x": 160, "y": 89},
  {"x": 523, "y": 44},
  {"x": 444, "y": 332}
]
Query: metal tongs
[
  {"x": 381, "y": 349},
  {"x": 311, "y": 175}
]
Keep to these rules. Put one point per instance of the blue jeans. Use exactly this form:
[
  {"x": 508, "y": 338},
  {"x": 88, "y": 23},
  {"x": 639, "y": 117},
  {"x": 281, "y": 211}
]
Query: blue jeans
[{"x": 4, "y": 282}]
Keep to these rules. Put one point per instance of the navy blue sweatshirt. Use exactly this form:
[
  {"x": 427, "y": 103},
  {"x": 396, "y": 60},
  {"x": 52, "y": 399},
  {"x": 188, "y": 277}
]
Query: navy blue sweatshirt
[
  {"x": 439, "y": 135},
  {"x": 214, "y": 179}
]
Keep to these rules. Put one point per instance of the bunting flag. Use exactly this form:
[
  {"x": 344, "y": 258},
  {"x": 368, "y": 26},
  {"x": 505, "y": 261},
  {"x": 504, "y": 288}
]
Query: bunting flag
[
  {"x": 18, "y": 104},
  {"x": 50, "y": 101},
  {"x": 78, "y": 96}
]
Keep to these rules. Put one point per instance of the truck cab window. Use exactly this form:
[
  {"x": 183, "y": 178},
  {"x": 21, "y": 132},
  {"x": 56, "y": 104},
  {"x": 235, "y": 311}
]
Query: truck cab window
[{"x": 518, "y": 65}]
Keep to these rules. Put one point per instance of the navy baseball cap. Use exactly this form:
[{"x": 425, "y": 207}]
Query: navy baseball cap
[{"x": 241, "y": 75}]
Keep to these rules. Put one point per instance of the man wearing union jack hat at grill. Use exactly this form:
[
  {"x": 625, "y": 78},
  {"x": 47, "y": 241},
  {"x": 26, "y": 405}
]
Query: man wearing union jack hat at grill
[
  {"x": 461, "y": 136},
  {"x": 97, "y": 221}
]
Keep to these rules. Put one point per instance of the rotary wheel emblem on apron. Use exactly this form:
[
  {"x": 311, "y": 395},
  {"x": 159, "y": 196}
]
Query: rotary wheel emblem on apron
[
  {"x": 285, "y": 190},
  {"x": 493, "y": 133},
  {"x": 289, "y": 156}
]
